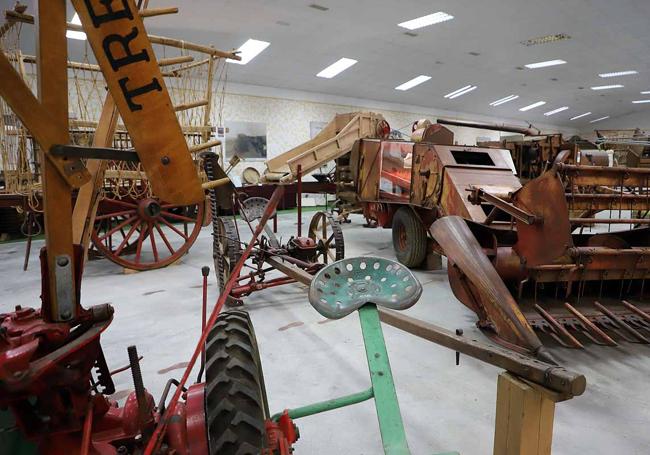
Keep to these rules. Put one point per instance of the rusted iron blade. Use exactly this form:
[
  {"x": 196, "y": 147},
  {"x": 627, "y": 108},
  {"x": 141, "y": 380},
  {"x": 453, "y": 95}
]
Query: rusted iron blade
[
  {"x": 461, "y": 247},
  {"x": 639, "y": 312},
  {"x": 620, "y": 322},
  {"x": 558, "y": 327},
  {"x": 590, "y": 326}
]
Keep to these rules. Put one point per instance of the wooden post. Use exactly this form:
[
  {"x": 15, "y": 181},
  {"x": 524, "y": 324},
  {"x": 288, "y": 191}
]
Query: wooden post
[
  {"x": 524, "y": 417},
  {"x": 53, "y": 94}
]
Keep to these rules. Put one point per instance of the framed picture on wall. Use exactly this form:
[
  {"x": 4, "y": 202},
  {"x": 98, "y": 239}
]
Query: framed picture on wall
[
  {"x": 246, "y": 140},
  {"x": 315, "y": 128}
]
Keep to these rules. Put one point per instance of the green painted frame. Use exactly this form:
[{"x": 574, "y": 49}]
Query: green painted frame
[{"x": 391, "y": 426}]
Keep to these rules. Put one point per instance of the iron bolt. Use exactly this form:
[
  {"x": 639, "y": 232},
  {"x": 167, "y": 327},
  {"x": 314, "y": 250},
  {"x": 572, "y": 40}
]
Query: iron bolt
[
  {"x": 205, "y": 270},
  {"x": 165, "y": 160},
  {"x": 459, "y": 332},
  {"x": 66, "y": 314},
  {"x": 62, "y": 261}
]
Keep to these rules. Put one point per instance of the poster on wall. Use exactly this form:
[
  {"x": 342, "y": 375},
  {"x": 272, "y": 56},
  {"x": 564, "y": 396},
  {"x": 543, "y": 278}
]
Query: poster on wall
[
  {"x": 315, "y": 128},
  {"x": 246, "y": 140}
]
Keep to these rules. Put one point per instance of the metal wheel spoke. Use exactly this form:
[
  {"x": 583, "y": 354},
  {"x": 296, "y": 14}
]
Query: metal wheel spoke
[
  {"x": 127, "y": 237},
  {"x": 177, "y": 217},
  {"x": 173, "y": 228},
  {"x": 331, "y": 237},
  {"x": 114, "y": 214},
  {"x": 164, "y": 238},
  {"x": 117, "y": 228},
  {"x": 153, "y": 242}
]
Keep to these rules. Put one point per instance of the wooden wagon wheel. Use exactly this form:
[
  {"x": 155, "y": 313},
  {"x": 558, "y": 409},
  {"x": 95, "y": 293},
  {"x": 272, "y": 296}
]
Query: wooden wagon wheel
[
  {"x": 145, "y": 234},
  {"x": 325, "y": 230}
]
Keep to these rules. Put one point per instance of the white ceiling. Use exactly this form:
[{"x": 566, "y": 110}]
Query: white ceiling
[{"x": 606, "y": 36}]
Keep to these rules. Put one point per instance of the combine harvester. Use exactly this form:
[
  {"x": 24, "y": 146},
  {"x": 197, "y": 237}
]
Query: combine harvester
[{"x": 567, "y": 254}]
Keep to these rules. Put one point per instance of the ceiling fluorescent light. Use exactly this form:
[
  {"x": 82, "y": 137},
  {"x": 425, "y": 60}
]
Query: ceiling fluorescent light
[
  {"x": 599, "y": 119},
  {"x": 606, "y": 87},
  {"x": 619, "y": 73},
  {"x": 249, "y": 50},
  {"x": 580, "y": 116},
  {"x": 555, "y": 111},
  {"x": 532, "y": 106},
  {"x": 413, "y": 82},
  {"x": 645, "y": 93},
  {"x": 464, "y": 92},
  {"x": 425, "y": 21},
  {"x": 449, "y": 95},
  {"x": 337, "y": 67},
  {"x": 504, "y": 100},
  {"x": 73, "y": 34},
  {"x": 533, "y": 66},
  {"x": 641, "y": 101}
]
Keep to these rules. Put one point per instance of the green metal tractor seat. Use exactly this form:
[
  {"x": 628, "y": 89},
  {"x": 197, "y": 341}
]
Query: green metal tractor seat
[{"x": 346, "y": 285}]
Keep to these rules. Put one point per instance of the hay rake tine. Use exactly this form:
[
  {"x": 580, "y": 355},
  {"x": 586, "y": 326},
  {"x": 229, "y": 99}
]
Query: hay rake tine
[
  {"x": 590, "y": 326},
  {"x": 621, "y": 323},
  {"x": 557, "y": 327},
  {"x": 639, "y": 312}
]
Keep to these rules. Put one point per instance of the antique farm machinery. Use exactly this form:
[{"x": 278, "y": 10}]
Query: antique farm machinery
[
  {"x": 567, "y": 254},
  {"x": 119, "y": 217}
]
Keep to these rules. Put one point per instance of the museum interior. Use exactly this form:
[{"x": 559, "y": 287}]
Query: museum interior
[{"x": 267, "y": 227}]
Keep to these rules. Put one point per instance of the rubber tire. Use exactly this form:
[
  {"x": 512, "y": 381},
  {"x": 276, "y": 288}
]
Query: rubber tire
[
  {"x": 235, "y": 397},
  {"x": 413, "y": 253}
]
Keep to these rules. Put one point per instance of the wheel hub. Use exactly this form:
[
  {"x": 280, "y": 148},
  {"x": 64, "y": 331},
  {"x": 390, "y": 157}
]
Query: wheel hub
[{"x": 149, "y": 209}]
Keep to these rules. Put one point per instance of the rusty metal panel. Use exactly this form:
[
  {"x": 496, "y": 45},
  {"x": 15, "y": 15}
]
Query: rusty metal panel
[
  {"x": 540, "y": 243},
  {"x": 426, "y": 179}
]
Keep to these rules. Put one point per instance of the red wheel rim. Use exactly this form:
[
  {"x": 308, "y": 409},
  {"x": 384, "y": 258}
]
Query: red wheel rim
[{"x": 145, "y": 234}]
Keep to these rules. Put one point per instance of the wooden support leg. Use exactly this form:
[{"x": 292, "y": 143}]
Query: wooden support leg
[{"x": 524, "y": 417}]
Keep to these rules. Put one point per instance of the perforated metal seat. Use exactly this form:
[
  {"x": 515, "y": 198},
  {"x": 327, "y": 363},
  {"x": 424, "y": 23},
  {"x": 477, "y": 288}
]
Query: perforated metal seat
[{"x": 346, "y": 285}]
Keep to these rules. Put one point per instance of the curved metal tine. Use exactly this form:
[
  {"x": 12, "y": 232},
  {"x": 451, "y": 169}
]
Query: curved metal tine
[
  {"x": 557, "y": 327},
  {"x": 638, "y": 311},
  {"x": 590, "y": 326},
  {"x": 579, "y": 327},
  {"x": 621, "y": 323}
]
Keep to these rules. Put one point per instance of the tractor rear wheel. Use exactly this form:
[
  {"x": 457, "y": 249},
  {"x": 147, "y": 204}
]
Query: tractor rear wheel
[
  {"x": 235, "y": 396},
  {"x": 409, "y": 237}
]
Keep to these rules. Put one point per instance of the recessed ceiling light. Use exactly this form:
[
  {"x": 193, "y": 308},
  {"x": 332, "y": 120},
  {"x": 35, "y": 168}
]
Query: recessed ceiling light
[
  {"x": 337, "y": 67},
  {"x": 619, "y": 73},
  {"x": 533, "y": 66},
  {"x": 555, "y": 111},
  {"x": 545, "y": 39},
  {"x": 606, "y": 87},
  {"x": 580, "y": 116},
  {"x": 425, "y": 21},
  {"x": 74, "y": 34},
  {"x": 413, "y": 82},
  {"x": 504, "y": 100},
  {"x": 532, "y": 106},
  {"x": 641, "y": 101},
  {"x": 599, "y": 119},
  {"x": 460, "y": 92},
  {"x": 249, "y": 50}
]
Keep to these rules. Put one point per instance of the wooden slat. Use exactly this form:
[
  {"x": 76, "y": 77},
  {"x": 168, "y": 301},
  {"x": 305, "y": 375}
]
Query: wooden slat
[
  {"x": 85, "y": 209},
  {"x": 524, "y": 418},
  {"x": 142, "y": 99}
]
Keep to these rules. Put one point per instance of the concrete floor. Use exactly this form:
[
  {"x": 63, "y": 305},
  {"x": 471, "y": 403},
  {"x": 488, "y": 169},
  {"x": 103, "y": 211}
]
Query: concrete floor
[{"x": 307, "y": 358}]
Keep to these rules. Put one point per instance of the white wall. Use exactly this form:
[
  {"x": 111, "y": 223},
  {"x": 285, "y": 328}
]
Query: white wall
[{"x": 288, "y": 113}]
